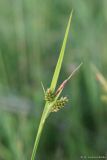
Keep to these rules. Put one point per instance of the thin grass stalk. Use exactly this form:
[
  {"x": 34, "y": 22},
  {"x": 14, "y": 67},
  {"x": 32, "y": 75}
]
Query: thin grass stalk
[
  {"x": 48, "y": 107},
  {"x": 41, "y": 125}
]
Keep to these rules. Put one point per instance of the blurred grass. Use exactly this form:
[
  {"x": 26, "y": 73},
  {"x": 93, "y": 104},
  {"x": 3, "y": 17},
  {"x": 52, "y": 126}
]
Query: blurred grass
[{"x": 31, "y": 33}]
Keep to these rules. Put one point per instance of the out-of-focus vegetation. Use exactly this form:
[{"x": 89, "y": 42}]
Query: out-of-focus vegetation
[
  {"x": 31, "y": 33},
  {"x": 103, "y": 83}
]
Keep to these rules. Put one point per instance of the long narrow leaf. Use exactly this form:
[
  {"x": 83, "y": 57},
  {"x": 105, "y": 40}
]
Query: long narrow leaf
[
  {"x": 47, "y": 107},
  {"x": 60, "y": 59}
]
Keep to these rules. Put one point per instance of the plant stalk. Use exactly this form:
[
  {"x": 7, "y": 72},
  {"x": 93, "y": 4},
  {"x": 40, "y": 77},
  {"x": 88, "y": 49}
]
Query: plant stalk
[
  {"x": 45, "y": 114},
  {"x": 48, "y": 107},
  {"x": 41, "y": 125}
]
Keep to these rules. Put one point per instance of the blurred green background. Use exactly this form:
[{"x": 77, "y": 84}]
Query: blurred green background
[{"x": 31, "y": 34}]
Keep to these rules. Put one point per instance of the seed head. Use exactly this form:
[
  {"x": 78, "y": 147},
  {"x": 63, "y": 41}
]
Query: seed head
[
  {"x": 59, "y": 104},
  {"x": 49, "y": 96}
]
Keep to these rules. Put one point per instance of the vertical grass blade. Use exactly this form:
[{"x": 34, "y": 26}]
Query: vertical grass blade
[
  {"x": 61, "y": 55},
  {"x": 53, "y": 85}
]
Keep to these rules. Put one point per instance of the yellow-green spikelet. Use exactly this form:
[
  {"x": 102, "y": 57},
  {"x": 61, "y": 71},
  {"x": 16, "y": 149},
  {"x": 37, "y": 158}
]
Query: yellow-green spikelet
[
  {"x": 49, "y": 96},
  {"x": 59, "y": 104}
]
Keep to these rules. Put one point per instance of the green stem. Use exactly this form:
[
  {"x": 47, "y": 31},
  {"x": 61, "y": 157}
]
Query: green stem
[
  {"x": 41, "y": 125},
  {"x": 45, "y": 114},
  {"x": 48, "y": 107}
]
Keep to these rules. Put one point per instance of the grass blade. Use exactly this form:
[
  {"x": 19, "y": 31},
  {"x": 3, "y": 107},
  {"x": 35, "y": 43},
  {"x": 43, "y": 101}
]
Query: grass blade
[
  {"x": 60, "y": 59},
  {"x": 47, "y": 107}
]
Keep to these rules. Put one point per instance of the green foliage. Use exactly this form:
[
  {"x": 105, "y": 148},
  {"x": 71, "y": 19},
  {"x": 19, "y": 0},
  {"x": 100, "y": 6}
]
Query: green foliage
[
  {"x": 60, "y": 59},
  {"x": 31, "y": 34},
  {"x": 54, "y": 104}
]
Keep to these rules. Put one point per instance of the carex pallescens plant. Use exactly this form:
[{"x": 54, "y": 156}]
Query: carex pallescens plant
[
  {"x": 102, "y": 80},
  {"x": 52, "y": 97}
]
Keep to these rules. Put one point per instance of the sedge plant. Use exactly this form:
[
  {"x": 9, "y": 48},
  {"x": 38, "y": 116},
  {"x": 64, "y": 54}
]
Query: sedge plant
[{"x": 53, "y": 100}]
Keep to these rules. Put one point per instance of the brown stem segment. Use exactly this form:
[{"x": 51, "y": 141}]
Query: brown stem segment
[{"x": 65, "y": 81}]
